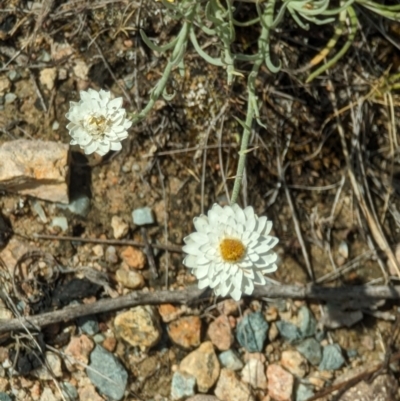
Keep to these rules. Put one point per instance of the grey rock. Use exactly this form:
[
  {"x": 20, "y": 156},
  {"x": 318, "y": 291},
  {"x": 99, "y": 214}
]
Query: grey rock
[
  {"x": 303, "y": 392},
  {"x": 288, "y": 331},
  {"x": 89, "y": 325},
  {"x": 13, "y": 75},
  {"x": 5, "y": 397},
  {"x": 332, "y": 358},
  {"x": 230, "y": 360},
  {"x": 143, "y": 216},
  {"x": 182, "y": 385},
  {"x": 307, "y": 322},
  {"x": 69, "y": 391},
  {"x": 251, "y": 332},
  {"x": 107, "y": 374},
  {"x": 9, "y": 98},
  {"x": 311, "y": 350},
  {"x": 80, "y": 205}
]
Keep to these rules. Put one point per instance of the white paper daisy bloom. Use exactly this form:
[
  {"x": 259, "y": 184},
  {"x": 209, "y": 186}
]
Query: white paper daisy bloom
[
  {"x": 98, "y": 124},
  {"x": 231, "y": 250}
]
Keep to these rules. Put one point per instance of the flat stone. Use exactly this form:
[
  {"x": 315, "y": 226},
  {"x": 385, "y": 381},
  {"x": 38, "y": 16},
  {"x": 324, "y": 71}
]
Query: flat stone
[
  {"x": 280, "y": 383},
  {"x": 140, "y": 326},
  {"x": 310, "y": 349},
  {"x": 69, "y": 392},
  {"x": 332, "y": 358},
  {"x": 294, "y": 362},
  {"x": 130, "y": 278},
  {"x": 51, "y": 369},
  {"x": 133, "y": 257},
  {"x": 107, "y": 373},
  {"x": 5, "y": 397},
  {"x": 120, "y": 227},
  {"x": 254, "y": 374},
  {"x": 185, "y": 331},
  {"x": 230, "y": 360},
  {"x": 220, "y": 333},
  {"x": 47, "y": 77},
  {"x": 203, "y": 364},
  {"x": 111, "y": 255},
  {"x": 77, "y": 352},
  {"x": 36, "y": 168},
  {"x": 79, "y": 205},
  {"x": 230, "y": 388},
  {"x": 143, "y": 216},
  {"x": 182, "y": 385},
  {"x": 251, "y": 332}
]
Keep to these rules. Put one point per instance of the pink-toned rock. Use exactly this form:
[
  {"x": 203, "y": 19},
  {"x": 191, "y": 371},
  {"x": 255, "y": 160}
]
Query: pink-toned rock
[
  {"x": 254, "y": 374},
  {"x": 109, "y": 344},
  {"x": 228, "y": 307},
  {"x": 294, "y": 362},
  {"x": 133, "y": 257},
  {"x": 185, "y": 331},
  {"x": 220, "y": 333},
  {"x": 89, "y": 393},
  {"x": 77, "y": 352},
  {"x": 14, "y": 250},
  {"x": 280, "y": 383},
  {"x": 230, "y": 388},
  {"x": 203, "y": 364},
  {"x": 36, "y": 168},
  {"x": 169, "y": 312},
  {"x": 254, "y": 355}
]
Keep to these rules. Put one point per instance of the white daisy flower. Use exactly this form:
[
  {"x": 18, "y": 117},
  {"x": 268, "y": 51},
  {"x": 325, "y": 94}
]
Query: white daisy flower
[
  {"x": 231, "y": 250},
  {"x": 98, "y": 124}
]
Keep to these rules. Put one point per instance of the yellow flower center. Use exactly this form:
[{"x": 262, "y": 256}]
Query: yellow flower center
[
  {"x": 232, "y": 250},
  {"x": 96, "y": 126}
]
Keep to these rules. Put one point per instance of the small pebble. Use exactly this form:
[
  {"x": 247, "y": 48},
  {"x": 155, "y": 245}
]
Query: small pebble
[
  {"x": 185, "y": 331},
  {"x": 88, "y": 324},
  {"x": 79, "y": 206},
  {"x": 53, "y": 368},
  {"x": 88, "y": 393},
  {"x": 69, "y": 391},
  {"x": 307, "y": 322},
  {"x": 77, "y": 352},
  {"x": 294, "y": 362},
  {"x": 143, "y": 216},
  {"x": 203, "y": 364},
  {"x": 280, "y": 383},
  {"x": 5, "y": 397},
  {"x": 107, "y": 373},
  {"x": 311, "y": 350},
  {"x": 251, "y": 332},
  {"x": 220, "y": 333},
  {"x": 332, "y": 358},
  {"x": 254, "y": 374},
  {"x": 288, "y": 331},
  {"x": 303, "y": 392},
  {"x": 230, "y": 388},
  {"x": 130, "y": 278},
  {"x": 169, "y": 312},
  {"x": 182, "y": 385},
  {"x": 119, "y": 226},
  {"x": 13, "y": 75},
  {"x": 109, "y": 344},
  {"x": 111, "y": 255},
  {"x": 9, "y": 98},
  {"x": 139, "y": 326},
  {"x": 55, "y": 126},
  {"x": 133, "y": 257},
  {"x": 60, "y": 221},
  {"x": 230, "y": 360}
]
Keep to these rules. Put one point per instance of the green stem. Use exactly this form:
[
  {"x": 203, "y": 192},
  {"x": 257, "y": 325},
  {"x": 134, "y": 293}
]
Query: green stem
[
  {"x": 175, "y": 59},
  {"x": 252, "y": 108}
]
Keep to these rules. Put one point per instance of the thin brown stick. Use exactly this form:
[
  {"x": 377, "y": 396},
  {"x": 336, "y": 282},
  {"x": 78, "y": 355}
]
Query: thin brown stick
[
  {"x": 192, "y": 294},
  {"x": 171, "y": 248}
]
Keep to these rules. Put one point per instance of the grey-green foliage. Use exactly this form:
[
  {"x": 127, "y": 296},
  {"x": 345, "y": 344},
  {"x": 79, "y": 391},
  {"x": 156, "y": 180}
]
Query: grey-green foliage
[{"x": 216, "y": 19}]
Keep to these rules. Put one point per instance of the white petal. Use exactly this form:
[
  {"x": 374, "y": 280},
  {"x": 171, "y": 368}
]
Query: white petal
[
  {"x": 236, "y": 294},
  {"x": 262, "y": 221},
  {"x": 190, "y": 261},
  {"x": 201, "y": 223}
]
